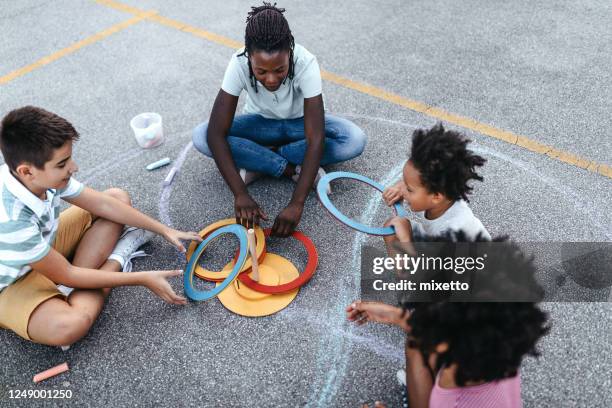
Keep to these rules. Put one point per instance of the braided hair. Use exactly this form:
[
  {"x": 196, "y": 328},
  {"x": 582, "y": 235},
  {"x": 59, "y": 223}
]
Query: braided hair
[{"x": 267, "y": 30}]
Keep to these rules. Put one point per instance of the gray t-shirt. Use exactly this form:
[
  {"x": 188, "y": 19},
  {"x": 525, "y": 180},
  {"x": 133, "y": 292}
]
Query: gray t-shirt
[
  {"x": 285, "y": 103},
  {"x": 458, "y": 217}
]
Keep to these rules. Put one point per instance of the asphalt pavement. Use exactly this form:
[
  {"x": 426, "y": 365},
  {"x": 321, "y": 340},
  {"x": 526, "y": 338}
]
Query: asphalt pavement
[{"x": 537, "y": 70}]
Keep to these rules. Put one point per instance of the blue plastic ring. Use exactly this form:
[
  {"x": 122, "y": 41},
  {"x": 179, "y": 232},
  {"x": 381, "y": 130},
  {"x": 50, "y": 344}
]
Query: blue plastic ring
[
  {"x": 322, "y": 192},
  {"x": 240, "y": 232}
]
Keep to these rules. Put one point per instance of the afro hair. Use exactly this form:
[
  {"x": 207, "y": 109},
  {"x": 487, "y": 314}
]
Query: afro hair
[
  {"x": 486, "y": 340},
  {"x": 443, "y": 161}
]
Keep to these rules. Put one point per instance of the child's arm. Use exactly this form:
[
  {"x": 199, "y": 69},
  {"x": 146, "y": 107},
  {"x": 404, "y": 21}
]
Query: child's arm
[
  {"x": 363, "y": 312},
  {"x": 403, "y": 235},
  {"x": 107, "y": 207},
  {"x": 418, "y": 376},
  {"x": 55, "y": 267},
  {"x": 314, "y": 130},
  {"x": 395, "y": 193},
  {"x": 402, "y": 227},
  {"x": 419, "y": 379},
  {"x": 221, "y": 118}
]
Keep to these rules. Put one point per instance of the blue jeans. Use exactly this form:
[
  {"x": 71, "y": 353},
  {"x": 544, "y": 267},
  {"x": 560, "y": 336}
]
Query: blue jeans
[{"x": 251, "y": 137}]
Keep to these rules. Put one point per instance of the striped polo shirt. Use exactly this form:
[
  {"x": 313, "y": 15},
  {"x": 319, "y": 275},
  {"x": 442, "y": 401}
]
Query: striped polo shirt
[{"x": 27, "y": 224}]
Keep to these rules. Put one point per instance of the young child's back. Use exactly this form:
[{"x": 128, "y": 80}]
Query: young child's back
[
  {"x": 468, "y": 354},
  {"x": 476, "y": 347},
  {"x": 504, "y": 393}
]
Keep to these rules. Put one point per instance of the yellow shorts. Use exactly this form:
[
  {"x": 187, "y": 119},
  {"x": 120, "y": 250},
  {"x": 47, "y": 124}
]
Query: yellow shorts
[{"x": 19, "y": 300}]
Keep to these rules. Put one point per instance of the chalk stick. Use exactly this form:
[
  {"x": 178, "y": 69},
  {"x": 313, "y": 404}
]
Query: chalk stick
[
  {"x": 52, "y": 372},
  {"x": 253, "y": 250},
  {"x": 160, "y": 163},
  {"x": 170, "y": 176}
]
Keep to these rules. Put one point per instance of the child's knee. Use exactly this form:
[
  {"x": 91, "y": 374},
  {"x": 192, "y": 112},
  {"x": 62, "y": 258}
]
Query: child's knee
[
  {"x": 120, "y": 195},
  {"x": 358, "y": 139},
  {"x": 200, "y": 139},
  {"x": 352, "y": 140},
  {"x": 70, "y": 327}
]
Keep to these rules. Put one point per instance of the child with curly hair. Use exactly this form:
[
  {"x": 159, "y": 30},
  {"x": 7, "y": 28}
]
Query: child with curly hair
[
  {"x": 435, "y": 185},
  {"x": 468, "y": 354}
]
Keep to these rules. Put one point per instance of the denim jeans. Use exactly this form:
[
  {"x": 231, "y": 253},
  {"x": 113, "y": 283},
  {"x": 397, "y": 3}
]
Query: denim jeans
[{"x": 251, "y": 137}]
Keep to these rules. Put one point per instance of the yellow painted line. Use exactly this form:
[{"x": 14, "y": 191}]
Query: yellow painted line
[
  {"x": 482, "y": 128},
  {"x": 121, "y": 7},
  {"x": 431, "y": 111},
  {"x": 168, "y": 22},
  {"x": 468, "y": 123},
  {"x": 471, "y": 124},
  {"x": 74, "y": 47}
]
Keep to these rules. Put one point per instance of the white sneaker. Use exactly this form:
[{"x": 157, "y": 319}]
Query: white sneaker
[
  {"x": 249, "y": 176},
  {"x": 319, "y": 176},
  {"x": 125, "y": 249},
  {"x": 401, "y": 376},
  {"x": 66, "y": 290}
]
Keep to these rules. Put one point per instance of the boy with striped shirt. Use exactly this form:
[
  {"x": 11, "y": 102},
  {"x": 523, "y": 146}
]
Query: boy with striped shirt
[{"x": 37, "y": 242}]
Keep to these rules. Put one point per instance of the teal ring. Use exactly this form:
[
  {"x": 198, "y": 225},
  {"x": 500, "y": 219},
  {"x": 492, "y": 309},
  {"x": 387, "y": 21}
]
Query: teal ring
[
  {"x": 240, "y": 232},
  {"x": 322, "y": 193}
]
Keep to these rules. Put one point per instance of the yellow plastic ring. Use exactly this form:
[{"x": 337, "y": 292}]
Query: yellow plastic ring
[{"x": 217, "y": 276}]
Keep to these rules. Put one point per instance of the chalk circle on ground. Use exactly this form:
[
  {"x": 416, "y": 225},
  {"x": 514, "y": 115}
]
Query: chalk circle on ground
[
  {"x": 300, "y": 280},
  {"x": 240, "y": 232},
  {"x": 242, "y": 300},
  {"x": 324, "y": 198},
  {"x": 218, "y": 276}
]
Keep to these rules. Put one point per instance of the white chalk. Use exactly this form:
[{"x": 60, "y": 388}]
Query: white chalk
[
  {"x": 170, "y": 176},
  {"x": 160, "y": 163}
]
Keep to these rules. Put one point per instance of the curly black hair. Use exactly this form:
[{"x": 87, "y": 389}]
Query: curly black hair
[
  {"x": 488, "y": 340},
  {"x": 444, "y": 162},
  {"x": 267, "y": 30}
]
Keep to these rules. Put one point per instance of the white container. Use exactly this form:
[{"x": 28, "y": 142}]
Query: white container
[{"x": 148, "y": 129}]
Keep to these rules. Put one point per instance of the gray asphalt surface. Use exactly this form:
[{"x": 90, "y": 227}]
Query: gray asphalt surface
[{"x": 537, "y": 70}]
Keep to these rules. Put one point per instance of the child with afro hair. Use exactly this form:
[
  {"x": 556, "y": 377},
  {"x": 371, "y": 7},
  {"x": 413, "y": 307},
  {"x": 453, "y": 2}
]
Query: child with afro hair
[
  {"x": 468, "y": 354},
  {"x": 435, "y": 186}
]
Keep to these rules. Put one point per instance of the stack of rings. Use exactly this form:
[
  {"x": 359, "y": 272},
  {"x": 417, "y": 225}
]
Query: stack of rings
[
  {"x": 239, "y": 269},
  {"x": 322, "y": 189}
]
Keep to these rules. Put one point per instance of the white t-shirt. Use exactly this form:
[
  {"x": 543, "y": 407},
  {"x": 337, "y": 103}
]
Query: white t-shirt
[
  {"x": 287, "y": 102},
  {"x": 458, "y": 217}
]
